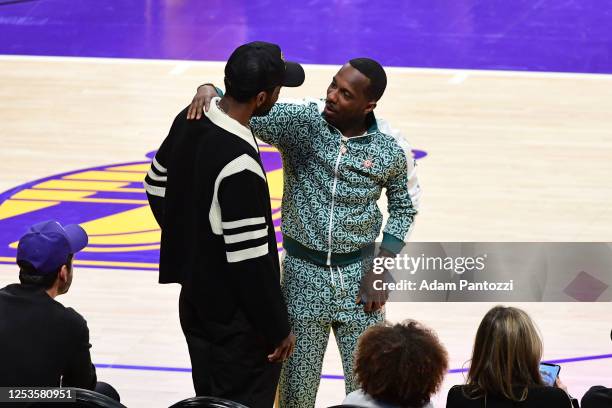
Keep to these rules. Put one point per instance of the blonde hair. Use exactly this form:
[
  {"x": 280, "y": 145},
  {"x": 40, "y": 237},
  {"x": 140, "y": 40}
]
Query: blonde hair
[{"x": 506, "y": 356}]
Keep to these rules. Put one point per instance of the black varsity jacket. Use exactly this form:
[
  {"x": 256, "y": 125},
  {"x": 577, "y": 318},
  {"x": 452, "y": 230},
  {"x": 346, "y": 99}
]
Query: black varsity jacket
[{"x": 208, "y": 192}]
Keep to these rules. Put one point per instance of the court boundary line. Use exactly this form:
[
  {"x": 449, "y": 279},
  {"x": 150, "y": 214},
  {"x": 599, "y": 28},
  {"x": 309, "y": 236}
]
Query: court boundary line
[
  {"x": 335, "y": 376},
  {"x": 92, "y": 264},
  {"x": 187, "y": 64}
]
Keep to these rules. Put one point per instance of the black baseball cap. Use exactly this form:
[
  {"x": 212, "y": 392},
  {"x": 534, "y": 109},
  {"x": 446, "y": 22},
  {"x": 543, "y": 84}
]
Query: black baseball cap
[{"x": 259, "y": 66}]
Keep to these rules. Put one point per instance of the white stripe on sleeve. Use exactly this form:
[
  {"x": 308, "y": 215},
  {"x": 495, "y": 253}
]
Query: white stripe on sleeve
[
  {"x": 243, "y": 223},
  {"x": 245, "y": 236},
  {"x": 159, "y": 167},
  {"x": 154, "y": 190},
  {"x": 249, "y": 253},
  {"x": 155, "y": 177}
]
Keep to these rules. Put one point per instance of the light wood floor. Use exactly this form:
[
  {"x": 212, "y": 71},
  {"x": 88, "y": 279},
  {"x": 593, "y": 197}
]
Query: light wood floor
[{"x": 511, "y": 157}]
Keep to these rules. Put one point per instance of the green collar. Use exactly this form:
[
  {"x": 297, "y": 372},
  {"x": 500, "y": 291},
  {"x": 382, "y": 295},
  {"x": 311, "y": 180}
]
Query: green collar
[{"x": 370, "y": 123}]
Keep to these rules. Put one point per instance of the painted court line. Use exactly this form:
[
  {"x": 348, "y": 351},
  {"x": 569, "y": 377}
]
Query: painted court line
[
  {"x": 332, "y": 376},
  {"x": 178, "y": 65}
]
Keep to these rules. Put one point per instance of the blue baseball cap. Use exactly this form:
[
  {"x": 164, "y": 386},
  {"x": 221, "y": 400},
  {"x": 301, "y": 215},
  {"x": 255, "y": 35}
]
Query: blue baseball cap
[{"x": 47, "y": 245}]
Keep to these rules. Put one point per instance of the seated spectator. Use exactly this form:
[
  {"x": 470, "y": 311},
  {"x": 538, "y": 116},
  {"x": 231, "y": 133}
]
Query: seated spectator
[
  {"x": 504, "y": 369},
  {"x": 400, "y": 365},
  {"x": 43, "y": 343},
  {"x": 597, "y": 397}
]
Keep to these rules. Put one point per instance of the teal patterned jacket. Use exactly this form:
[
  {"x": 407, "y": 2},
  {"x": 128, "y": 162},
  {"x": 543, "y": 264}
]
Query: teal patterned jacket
[{"x": 332, "y": 183}]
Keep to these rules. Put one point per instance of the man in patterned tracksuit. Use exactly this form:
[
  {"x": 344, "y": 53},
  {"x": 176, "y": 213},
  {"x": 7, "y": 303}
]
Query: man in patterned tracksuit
[{"x": 337, "y": 158}]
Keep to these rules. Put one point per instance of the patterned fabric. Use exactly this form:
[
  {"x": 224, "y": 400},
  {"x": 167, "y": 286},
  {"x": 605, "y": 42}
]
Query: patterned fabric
[
  {"x": 320, "y": 298},
  {"x": 331, "y": 187},
  {"x": 332, "y": 183}
]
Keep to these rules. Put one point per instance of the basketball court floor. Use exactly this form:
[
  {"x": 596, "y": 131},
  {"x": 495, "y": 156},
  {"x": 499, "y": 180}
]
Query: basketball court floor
[{"x": 507, "y": 110}]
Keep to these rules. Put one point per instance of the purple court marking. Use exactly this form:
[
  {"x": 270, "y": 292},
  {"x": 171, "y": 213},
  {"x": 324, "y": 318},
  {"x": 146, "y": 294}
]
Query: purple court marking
[
  {"x": 418, "y": 154},
  {"x": 577, "y": 359},
  {"x": 142, "y": 255},
  {"x": 143, "y": 368},
  {"x": 70, "y": 212},
  {"x": 530, "y": 35},
  {"x": 333, "y": 376},
  {"x": 559, "y": 361}
]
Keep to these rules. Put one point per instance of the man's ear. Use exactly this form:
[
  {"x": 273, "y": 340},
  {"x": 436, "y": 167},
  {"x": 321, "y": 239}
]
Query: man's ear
[
  {"x": 260, "y": 99},
  {"x": 63, "y": 274},
  {"x": 369, "y": 107}
]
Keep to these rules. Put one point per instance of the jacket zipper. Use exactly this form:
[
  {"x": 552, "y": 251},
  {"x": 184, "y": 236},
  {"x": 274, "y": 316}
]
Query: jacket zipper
[{"x": 331, "y": 213}]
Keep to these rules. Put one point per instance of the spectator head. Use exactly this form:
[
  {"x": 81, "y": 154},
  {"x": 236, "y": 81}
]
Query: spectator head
[
  {"x": 256, "y": 71},
  {"x": 401, "y": 364},
  {"x": 506, "y": 356},
  {"x": 45, "y": 254}
]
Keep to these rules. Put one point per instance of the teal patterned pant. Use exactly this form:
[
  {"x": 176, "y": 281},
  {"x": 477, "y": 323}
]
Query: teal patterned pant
[{"x": 319, "y": 298}]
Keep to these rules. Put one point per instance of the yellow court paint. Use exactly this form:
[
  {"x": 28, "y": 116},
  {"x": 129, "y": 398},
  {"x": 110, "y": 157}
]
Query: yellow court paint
[
  {"x": 140, "y": 168},
  {"x": 11, "y": 208},
  {"x": 107, "y": 176},
  {"x": 63, "y": 184},
  {"x": 121, "y": 249},
  {"x": 59, "y": 195},
  {"x": 136, "y": 238},
  {"x": 136, "y": 220},
  {"x": 275, "y": 184},
  {"x": 71, "y": 196}
]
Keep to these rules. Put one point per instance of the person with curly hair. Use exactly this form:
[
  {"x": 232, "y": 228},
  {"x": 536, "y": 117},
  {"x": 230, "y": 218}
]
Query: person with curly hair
[
  {"x": 398, "y": 365},
  {"x": 504, "y": 370}
]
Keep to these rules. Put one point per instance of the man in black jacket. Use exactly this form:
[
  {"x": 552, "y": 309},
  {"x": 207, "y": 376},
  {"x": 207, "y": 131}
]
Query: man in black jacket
[
  {"x": 208, "y": 191},
  {"x": 43, "y": 343}
]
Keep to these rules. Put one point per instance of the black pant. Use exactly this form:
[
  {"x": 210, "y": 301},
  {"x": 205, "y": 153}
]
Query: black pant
[{"x": 228, "y": 359}]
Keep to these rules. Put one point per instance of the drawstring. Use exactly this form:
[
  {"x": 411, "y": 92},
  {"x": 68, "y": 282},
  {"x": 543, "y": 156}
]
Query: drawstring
[{"x": 340, "y": 276}]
